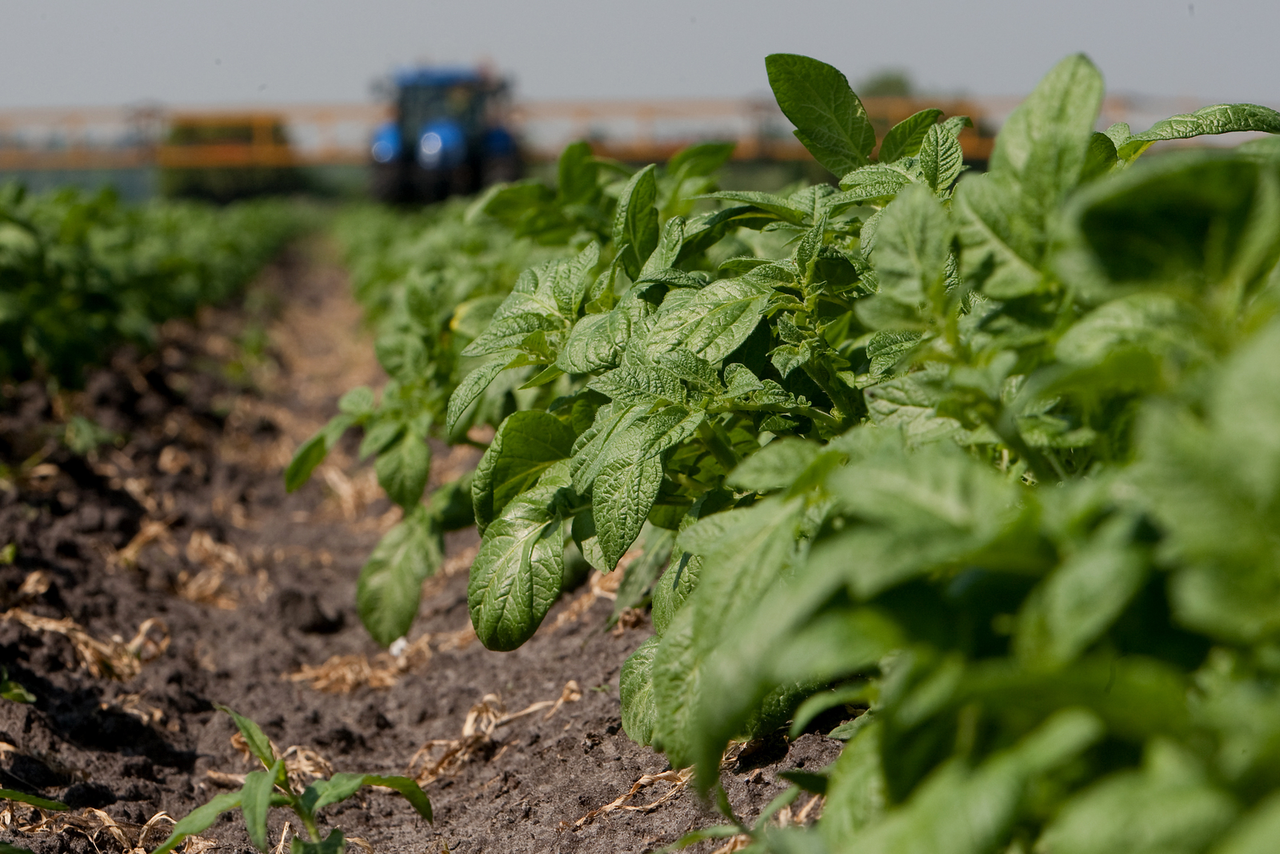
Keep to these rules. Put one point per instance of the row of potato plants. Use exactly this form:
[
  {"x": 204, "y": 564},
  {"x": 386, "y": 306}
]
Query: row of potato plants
[
  {"x": 989, "y": 458},
  {"x": 82, "y": 274},
  {"x": 430, "y": 283}
]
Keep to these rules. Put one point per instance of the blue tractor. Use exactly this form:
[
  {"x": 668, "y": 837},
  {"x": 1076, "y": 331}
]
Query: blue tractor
[{"x": 449, "y": 136}]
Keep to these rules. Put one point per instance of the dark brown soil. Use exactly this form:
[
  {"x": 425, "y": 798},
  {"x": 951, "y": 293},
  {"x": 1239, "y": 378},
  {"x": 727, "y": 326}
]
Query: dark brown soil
[{"x": 245, "y": 596}]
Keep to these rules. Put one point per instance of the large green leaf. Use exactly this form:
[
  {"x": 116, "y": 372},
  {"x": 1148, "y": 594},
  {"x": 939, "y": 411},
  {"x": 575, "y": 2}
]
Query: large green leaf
[
  {"x": 403, "y": 469},
  {"x": 526, "y": 445},
  {"x": 390, "y": 585},
  {"x": 941, "y": 157},
  {"x": 1043, "y": 143},
  {"x": 912, "y": 247},
  {"x": 1213, "y": 485},
  {"x": 1002, "y": 247},
  {"x": 520, "y": 315},
  {"x": 1220, "y": 118},
  {"x": 517, "y": 573},
  {"x": 623, "y": 494},
  {"x": 904, "y": 138},
  {"x": 635, "y": 222},
  {"x": 635, "y": 685},
  {"x": 471, "y": 387},
  {"x": 713, "y": 323},
  {"x": 255, "y": 802},
  {"x": 830, "y": 120},
  {"x": 577, "y": 169},
  {"x": 1073, "y": 606}
]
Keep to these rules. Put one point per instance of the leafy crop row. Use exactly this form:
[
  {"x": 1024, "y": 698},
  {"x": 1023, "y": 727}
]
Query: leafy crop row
[
  {"x": 80, "y": 275},
  {"x": 431, "y": 284},
  {"x": 988, "y": 460}
]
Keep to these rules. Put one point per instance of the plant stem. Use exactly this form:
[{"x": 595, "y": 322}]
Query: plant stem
[{"x": 718, "y": 445}]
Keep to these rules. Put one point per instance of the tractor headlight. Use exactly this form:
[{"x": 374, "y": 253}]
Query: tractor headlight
[{"x": 430, "y": 148}]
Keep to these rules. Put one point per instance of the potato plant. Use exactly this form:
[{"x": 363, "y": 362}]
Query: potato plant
[
  {"x": 431, "y": 284},
  {"x": 118, "y": 271},
  {"x": 988, "y": 457}
]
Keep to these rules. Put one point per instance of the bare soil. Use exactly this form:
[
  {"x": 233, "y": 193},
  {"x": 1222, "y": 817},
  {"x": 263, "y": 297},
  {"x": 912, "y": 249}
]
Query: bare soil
[{"x": 167, "y": 572}]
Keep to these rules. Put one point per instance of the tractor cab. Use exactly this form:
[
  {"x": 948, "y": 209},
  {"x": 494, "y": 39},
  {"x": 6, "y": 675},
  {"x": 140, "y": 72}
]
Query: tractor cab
[{"x": 448, "y": 135}]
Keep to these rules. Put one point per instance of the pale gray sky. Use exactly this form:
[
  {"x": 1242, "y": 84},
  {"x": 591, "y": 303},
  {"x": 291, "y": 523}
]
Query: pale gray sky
[{"x": 74, "y": 52}]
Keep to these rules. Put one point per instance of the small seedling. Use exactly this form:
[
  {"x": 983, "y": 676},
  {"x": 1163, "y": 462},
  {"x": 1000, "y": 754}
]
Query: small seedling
[
  {"x": 270, "y": 788},
  {"x": 14, "y": 691}
]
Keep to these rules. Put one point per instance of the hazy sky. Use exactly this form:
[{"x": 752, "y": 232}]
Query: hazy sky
[{"x": 74, "y": 52}]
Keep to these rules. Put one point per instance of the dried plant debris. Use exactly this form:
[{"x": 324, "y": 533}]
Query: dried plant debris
[
  {"x": 99, "y": 829},
  {"x": 678, "y": 778},
  {"x": 111, "y": 659},
  {"x": 342, "y": 674},
  {"x": 444, "y": 757}
]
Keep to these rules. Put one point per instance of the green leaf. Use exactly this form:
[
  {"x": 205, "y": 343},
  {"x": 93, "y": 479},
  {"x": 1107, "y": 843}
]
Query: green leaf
[
  {"x": 941, "y": 158},
  {"x": 358, "y": 401},
  {"x": 775, "y": 466},
  {"x": 830, "y": 120},
  {"x": 199, "y": 820},
  {"x": 471, "y": 387},
  {"x": 403, "y": 469},
  {"x": 1218, "y": 119},
  {"x": 589, "y": 449},
  {"x": 779, "y": 207},
  {"x": 635, "y": 684},
  {"x": 526, "y": 445},
  {"x": 1155, "y": 810},
  {"x": 577, "y": 169},
  {"x": 904, "y": 138},
  {"x": 1101, "y": 158},
  {"x": 379, "y": 435},
  {"x": 963, "y": 811},
  {"x": 390, "y": 584},
  {"x": 868, "y": 184},
  {"x": 623, "y": 494},
  {"x": 257, "y": 741},
  {"x": 408, "y": 789},
  {"x": 639, "y": 386},
  {"x": 1256, "y": 832},
  {"x": 1210, "y": 482},
  {"x": 699, "y": 160},
  {"x": 573, "y": 278},
  {"x": 255, "y": 802},
  {"x": 519, "y": 316},
  {"x": 713, "y": 323},
  {"x": 635, "y": 222},
  {"x": 1043, "y": 143},
  {"x": 1081, "y": 598},
  {"x": 856, "y": 791},
  {"x": 304, "y": 462},
  {"x": 339, "y": 787},
  {"x": 668, "y": 249},
  {"x": 32, "y": 800},
  {"x": 1219, "y": 224},
  {"x": 1002, "y": 248},
  {"x": 912, "y": 247},
  {"x": 517, "y": 573},
  {"x": 673, "y": 588},
  {"x": 334, "y": 843}
]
